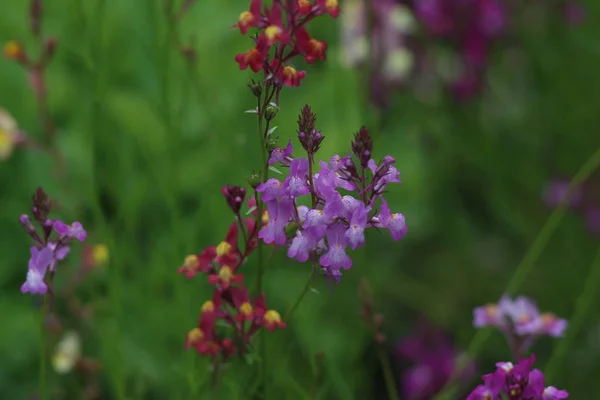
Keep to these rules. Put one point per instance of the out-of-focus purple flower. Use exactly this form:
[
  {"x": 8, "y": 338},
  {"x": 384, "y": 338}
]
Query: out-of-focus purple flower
[
  {"x": 73, "y": 231},
  {"x": 574, "y": 12},
  {"x": 38, "y": 264},
  {"x": 433, "y": 358},
  {"x": 556, "y": 191},
  {"x": 593, "y": 220},
  {"x": 492, "y": 387},
  {"x": 488, "y": 315}
]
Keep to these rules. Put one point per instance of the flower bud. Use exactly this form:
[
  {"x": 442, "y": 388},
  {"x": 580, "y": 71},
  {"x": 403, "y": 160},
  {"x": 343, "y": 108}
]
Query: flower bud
[
  {"x": 235, "y": 197},
  {"x": 362, "y": 146},
  {"x": 255, "y": 88},
  {"x": 272, "y": 144},
  {"x": 27, "y": 225},
  {"x": 254, "y": 180},
  {"x": 271, "y": 112}
]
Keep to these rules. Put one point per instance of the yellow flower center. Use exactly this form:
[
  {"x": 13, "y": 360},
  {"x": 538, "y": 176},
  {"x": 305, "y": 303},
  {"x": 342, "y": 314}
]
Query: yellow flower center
[
  {"x": 272, "y": 317},
  {"x": 245, "y": 18},
  {"x": 524, "y": 318},
  {"x": 246, "y": 308},
  {"x": 547, "y": 318},
  {"x": 272, "y": 31},
  {"x": 208, "y": 306},
  {"x": 12, "y": 49},
  {"x": 225, "y": 273},
  {"x": 491, "y": 310},
  {"x": 100, "y": 254},
  {"x": 315, "y": 45},
  {"x": 195, "y": 335},
  {"x": 223, "y": 249},
  {"x": 265, "y": 217},
  {"x": 330, "y": 4},
  {"x": 191, "y": 262},
  {"x": 289, "y": 72}
]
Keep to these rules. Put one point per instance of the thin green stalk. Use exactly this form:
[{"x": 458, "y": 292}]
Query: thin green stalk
[
  {"x": 305, "y": 290},
  {"x": 390, "y": 382},
  {"x": 582, "y": 308},
  {"x": 526, "y": 264},
  {"x": 43, "y": 372}
]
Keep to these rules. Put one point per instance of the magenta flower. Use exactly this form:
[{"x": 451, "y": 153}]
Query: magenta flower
[
  {"x": 295, "y": 184},
  {"x": 73, "y": 231},
  {"x": 38, "y": 265},
  {"x": 281, "y": 155},
  {"x": 336, "y": 257},
  {"x": 271, "y": 190},
  {"x": 518, "y": 382}
]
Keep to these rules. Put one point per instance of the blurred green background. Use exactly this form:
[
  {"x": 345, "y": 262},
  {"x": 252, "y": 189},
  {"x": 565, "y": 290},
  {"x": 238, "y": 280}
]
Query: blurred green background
[{"x": 149, "y": 140}]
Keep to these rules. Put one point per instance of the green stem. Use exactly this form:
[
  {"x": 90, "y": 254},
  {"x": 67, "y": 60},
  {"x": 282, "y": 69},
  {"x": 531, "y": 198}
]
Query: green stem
[
  {"x": 526, "y": 264},
  {"x": 305, "y": 290},
  {"x": 43, "y": 389},
  {"x": 584, "y": 303},
  {"x": 390, "y": 382}
]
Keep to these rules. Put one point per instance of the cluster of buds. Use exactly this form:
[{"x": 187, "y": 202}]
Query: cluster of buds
[
  {"x": 516, "y": 382},
  {"x": 333, "y": 222},
  {"x": 51, "y": 243},
  {"x": 14, "y": 50},
  {"x": 584, "y": 201},
  {"x": 231, "y": 301},
  {"x": 520, "y": 321},
  {"x": 432, "y": 358},
  {"x": 282, "y": 36}
]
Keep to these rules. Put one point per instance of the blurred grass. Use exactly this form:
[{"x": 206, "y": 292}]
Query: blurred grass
[{"x": 148, "y": 150}]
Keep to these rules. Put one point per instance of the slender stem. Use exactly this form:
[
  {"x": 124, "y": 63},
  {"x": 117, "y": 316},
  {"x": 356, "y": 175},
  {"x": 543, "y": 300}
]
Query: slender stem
[
  {"x": 43, "y": 388},
  {"x": 305, "y": 290},
  {"x": 526, "y": 264},
  {"x": 390, "y": 382},
  {"x": 584, "y": 303}
]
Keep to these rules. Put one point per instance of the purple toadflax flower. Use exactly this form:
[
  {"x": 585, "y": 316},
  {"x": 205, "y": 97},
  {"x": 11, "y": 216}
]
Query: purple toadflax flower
[
  {"x": 47, "y": 250},
  {"x": 520, "y": 321},
  {"x": 344, "y": 195},
  {"x": 433, "y": 358},
  {"x": 516, "y": 382}
]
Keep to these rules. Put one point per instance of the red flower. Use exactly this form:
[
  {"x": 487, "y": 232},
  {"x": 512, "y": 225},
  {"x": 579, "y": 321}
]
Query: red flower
[
  {"x": 329, "y": 6},
  {"x": 227, "y": 250},
  {"x": 270, "y": 319},
  {"x": 291, "y": 77},
  {"x": 275, "y": 31},
  {"x": 312, "y": 49},
  {"x": 253, "y": 58},
  {"x": 241, "y": 302},
  {"x": 225, "y": 277},
  {"x": 251, "y": 18},
  {"x": 198, "y": 263},
  {"x": 304, "y": 6}
]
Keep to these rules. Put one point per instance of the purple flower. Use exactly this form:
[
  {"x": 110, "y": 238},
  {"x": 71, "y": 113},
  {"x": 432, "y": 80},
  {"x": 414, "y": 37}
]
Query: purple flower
[
  {"x": 556, "y": 191},
  {"x": 301, "y": 246},
  {"x": 271, "y": 190},
  {"x": 395, "y": 223},
  {"x": 488, "y": 315},
  {"x": 336, "y": 257},
  {"x": 492, "y": 17},
  {"x": 552, "y": 393},
  {"x": 280, "y": 212},
  {"x": 491, "y": 388},
  {"x": 38, "y": 264},
  {"x": 355, "y": 232},
  {"x": 282, "y": 155},
  {"x": 295, "y": 184},
  {"x": 73, "y": 231},
  {"x": 315, "y": 223}
]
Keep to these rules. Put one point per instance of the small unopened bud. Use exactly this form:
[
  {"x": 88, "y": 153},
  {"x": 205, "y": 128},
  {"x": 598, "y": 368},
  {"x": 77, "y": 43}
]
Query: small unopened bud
[
  {"x": 235, "y": 197},
  {"x": 378, "y": 320},
  {"x": 271, "y": 112},
  {"x": 188, "y": 53},
  {"x": 255, "y": 88},
  {"x": 380, "y": 338},
  {"x": 272, "y": 144},
  {"x": 254, "y": 180},
  {"x": 27, "y": 225},
  {"x": 49, "y": 48},
  {"x": 362, "y": 146}
]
